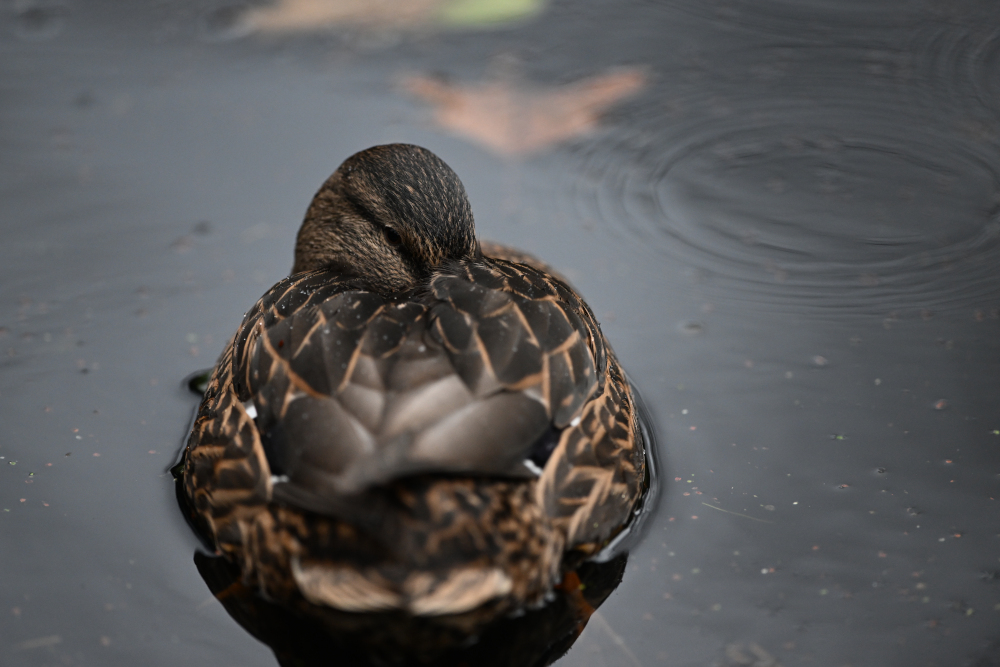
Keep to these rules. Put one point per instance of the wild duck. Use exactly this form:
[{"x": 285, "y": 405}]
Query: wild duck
[{"x": 413, "y": 422}]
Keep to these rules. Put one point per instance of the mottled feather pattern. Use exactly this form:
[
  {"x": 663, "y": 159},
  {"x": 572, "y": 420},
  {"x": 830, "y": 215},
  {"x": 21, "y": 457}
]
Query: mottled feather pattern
[
  {"x": 318, "y": 349},
  {"x": 409, "y": 424},
  {"x": 326, "y": 362},
  {"x": 446, "y": 547},
  {"x": 226, "y": 478}
]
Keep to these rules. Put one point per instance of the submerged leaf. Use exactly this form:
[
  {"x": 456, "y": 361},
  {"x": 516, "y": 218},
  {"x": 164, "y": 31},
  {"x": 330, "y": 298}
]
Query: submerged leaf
[{"x": 513, "y": 119}]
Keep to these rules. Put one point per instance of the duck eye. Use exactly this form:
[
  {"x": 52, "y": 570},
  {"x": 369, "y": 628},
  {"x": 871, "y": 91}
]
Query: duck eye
[{"x": 392, "y": 237}]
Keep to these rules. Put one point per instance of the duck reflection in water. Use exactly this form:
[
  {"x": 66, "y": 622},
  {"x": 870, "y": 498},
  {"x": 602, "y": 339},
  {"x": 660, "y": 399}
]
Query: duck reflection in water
[
  {"x": 304, "y": 636},
  {"x": 418, "y": 448}
]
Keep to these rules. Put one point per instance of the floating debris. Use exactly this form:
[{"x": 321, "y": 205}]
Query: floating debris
[
  {"x": 517, "y": 119},
  {"x": 287, "y": 16},
  {"x": 691, "y": 328},
  {"x": 745, "y": 516},
  {"x": 38, "y": 642}
]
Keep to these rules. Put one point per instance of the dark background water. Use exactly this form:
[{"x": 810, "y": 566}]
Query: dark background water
[{"x": 790, "y": 234}]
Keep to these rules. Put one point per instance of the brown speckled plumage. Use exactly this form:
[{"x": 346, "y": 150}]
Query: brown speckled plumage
[{"x": 408, "y": 423}]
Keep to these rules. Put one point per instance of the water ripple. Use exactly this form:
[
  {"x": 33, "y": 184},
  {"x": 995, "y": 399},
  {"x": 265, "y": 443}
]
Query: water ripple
[
  {"x": 841, "y": 207},
  {"x": 958, "y": 59},
  {"x": 802, "y": 20}
]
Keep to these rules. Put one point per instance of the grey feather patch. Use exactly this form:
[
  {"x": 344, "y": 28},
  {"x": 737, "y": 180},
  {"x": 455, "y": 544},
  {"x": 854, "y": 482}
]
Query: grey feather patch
[{"x": 355, "y": 391}]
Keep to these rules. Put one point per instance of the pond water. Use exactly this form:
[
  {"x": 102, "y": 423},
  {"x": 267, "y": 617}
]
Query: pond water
[{"x": 784, "y": 214}]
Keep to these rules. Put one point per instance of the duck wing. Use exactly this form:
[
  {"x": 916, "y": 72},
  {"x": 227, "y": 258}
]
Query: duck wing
[{"x": 495, "y": 370}]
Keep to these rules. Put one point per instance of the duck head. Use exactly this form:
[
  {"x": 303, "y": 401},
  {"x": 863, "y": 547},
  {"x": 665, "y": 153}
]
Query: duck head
[{"x": 390, "y": 216}]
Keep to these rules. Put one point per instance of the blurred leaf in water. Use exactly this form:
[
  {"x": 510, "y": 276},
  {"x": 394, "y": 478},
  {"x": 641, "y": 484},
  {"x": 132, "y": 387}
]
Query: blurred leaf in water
[
  {"x": 304, "y": 15},
  {"x": 475, "y": 13},
  {"x": 513, "y": 119}
]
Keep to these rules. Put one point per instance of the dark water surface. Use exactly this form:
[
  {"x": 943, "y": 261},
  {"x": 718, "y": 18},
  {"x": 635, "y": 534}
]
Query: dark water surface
[{"x": 790, "y": 235}]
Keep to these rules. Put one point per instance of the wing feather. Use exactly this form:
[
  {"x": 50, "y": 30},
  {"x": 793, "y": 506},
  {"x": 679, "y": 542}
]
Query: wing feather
[{"x": 353, "y": 389}]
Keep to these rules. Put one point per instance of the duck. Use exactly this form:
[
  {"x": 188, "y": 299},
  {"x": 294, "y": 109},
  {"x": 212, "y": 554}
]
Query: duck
[{"x": 414, "y": 423}]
